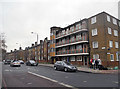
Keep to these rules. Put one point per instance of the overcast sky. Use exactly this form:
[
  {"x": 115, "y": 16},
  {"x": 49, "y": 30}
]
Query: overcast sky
[{"x": 18, "y": 18}]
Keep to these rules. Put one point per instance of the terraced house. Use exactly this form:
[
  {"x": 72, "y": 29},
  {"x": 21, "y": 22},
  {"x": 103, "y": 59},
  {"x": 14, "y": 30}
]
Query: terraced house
[{"x": 94, "y": 37}]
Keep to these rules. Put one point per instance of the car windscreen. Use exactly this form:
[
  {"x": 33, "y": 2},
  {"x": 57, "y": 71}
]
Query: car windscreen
[
  {"x": 32, "y": 61},
  {"x": 15, "y": 61},
  {"x": 67, "y": 63}
]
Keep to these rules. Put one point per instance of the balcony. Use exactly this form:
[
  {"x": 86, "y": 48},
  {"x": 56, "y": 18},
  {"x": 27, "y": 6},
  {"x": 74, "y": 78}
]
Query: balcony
[
  {"x": 71, "y": 42},
  {"x": 60, "y": 35},
  {"x": 73, "y": 52}
]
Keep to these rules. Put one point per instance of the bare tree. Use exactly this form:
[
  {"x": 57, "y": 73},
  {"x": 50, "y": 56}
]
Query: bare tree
[
  {"x": 2, "y": 41},
  {"x": 3, "y": 47}
]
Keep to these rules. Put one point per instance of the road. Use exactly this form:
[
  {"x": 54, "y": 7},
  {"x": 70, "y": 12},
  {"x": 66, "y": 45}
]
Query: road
[{"x": 42, "y": 76}]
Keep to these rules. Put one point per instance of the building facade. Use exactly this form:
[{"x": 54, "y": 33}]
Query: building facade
[
  {"x": 91, "y": 38},
  {"x": 72, "y": 43},
  {"x": 104, "y": 38}
]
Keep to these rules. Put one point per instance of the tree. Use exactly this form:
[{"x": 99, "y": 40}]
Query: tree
[
  {"x": 2, "y": 41},
  {"x": 3, "y": 47}
]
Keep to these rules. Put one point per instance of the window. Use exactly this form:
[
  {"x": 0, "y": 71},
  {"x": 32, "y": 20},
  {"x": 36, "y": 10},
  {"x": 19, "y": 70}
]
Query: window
[
  {"x": 72, "y": 38},
  {"x": 110, "y": 43},
  {"x": 72, "y": 58},
  {"x": 79, "y": 47},
  {"x": 115, "y": 33},
  {"x": 116, "y": 44},
  {"x": 67, "y": 30},
  {"x": 79, "y": 58},
  {"x": 117, "y": 57},
  {"x": 109, "y": 30},
  {"x": 111, "y": 57},
  {"x": 93, "y": 20},
  {"x": 72, "y": 47},
  {"x": 114, "y": 21},
  {"x": 95, "y": 44},
  {"x": 94, "y": 32},
  {"x": 108, "y": 18},
  {"x": 63, "y": 32},
  {"x": 72, "y": 28},
  {"x": 78, "y": 26},
  {"x": 95, "y": 56},
  {"x": 78, "y": 37}
]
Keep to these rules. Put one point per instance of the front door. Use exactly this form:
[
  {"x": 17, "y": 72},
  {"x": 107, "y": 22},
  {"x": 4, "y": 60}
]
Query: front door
[{"x": 85, "y": 61}]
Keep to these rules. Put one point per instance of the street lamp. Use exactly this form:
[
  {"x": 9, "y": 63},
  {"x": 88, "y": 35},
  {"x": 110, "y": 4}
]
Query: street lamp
[
  {"x": 36, "y": 49},
  {"x": 35, "y": 33}
]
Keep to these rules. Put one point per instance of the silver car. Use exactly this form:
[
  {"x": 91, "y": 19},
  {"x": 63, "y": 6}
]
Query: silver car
[
  {"x": 64, "y": 65},
  {"x": 15, "y": 63}
]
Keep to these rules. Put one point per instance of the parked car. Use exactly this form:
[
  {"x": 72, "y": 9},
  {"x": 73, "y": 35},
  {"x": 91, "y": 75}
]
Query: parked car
[
  {"x": 31, "y": 63},
  {"x": 64, "y": 65},
  {"x": 7, "y": 61},
  {"x": 21, "y": 61},
  {"x": 15, "y": 63}
]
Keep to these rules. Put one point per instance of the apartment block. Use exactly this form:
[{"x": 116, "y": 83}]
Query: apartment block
[
  {"x": 104, "y": 38},
  {"x": 94, "y": 37},
  {"x": 71, "y": 43}
]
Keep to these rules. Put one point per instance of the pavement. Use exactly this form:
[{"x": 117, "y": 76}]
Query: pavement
[{"x": 88, "y": 70}]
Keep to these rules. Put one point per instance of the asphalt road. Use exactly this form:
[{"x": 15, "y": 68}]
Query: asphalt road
[{"x": 42, "y": 76}]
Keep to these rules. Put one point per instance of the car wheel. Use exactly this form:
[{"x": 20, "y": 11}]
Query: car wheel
[
  {"x": 55, "y": 67},
  {"x": 65, "y": 69}
]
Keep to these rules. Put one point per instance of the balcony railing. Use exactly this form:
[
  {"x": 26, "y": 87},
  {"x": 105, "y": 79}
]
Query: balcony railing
[
  {"x": 72, "y": 41},
  {"x": 74, "y": 51},
  {"x": 69, "y": 32}
]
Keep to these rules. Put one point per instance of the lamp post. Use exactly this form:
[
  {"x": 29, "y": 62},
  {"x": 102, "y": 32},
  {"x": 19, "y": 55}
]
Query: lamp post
[
  {"x": 36, "y": 46},
  {"x": 35, "y": 33},
  {"x": 18, "y": 53}
]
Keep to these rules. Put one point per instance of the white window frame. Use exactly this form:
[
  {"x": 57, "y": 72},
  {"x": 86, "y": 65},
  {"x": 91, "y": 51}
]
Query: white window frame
[
  {"x": 117, "y": 56},
  {"x": 94, "y": 32},
  {"x": 110, "y": 44},
  {"x": 73, "y": 58},
  {"x": 95, "y": 44},
  {"x": 114, "y": 21},
  {"x": 79, "y": 58},
  {"x": 111, "y": 58},
  {"x": 116, "y": 44},
  {"x": 115, "y": 33},
  {"x": 108, "y": 18},
  {"x": 93, "y": 20},
  {"x": 109, "y": 30}
]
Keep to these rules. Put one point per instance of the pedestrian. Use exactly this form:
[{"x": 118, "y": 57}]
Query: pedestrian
[
  {"x": 96, "y": 63},
  {"x": 93, "y": 63},
  {"x": 99, "y": 64},
  {"x": 91, "y": 60}
]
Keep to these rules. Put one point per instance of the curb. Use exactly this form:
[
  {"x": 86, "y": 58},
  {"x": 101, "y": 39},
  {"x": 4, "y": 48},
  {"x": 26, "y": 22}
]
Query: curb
[
  {"x": 77, "y": 70},
  {"x": 100, "y": 72}
]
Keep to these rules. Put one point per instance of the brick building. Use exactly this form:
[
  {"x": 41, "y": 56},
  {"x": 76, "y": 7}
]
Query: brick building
[
  {"x": 104, "y": 38},
  {"x": 94, "y": 37}
]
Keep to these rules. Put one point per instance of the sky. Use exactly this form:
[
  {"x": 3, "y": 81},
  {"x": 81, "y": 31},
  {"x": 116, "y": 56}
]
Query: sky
[{"x": 18, "y": 18}]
